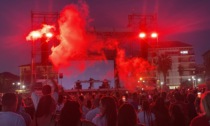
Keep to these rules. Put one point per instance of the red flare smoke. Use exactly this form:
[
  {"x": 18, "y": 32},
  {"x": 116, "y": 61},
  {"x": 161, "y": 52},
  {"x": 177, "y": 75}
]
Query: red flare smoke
[
  {"x": 131, "y": 69},
  {"x": 72, "y": 37}
]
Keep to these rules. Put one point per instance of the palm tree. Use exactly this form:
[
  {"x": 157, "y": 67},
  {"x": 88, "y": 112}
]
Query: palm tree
[{"x": 164, "y": 65}]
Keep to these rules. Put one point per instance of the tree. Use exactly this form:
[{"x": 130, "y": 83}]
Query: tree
[{"x": 164, "y": 65}]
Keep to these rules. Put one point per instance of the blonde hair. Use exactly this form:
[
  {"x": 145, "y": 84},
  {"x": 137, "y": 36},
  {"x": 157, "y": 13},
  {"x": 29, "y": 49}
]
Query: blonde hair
[{"x": 205, "y": 103}]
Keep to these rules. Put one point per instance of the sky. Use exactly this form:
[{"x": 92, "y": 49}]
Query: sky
[{"x": 178, "y": 20}]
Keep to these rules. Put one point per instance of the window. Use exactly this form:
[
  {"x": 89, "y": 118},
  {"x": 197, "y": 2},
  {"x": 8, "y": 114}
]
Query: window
[{"x": 183, "y": 52}]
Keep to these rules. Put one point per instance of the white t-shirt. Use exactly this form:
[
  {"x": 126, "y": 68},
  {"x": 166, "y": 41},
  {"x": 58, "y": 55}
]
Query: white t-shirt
[
  {"x": 92, "y": 113},
  {"x": 36, "y": 95},
  {"x": 145, "y": 118},
  {"x": 98, "y": 120},
  {"x": 11, "y": 119},
  {"x": 84, "y": 111}
]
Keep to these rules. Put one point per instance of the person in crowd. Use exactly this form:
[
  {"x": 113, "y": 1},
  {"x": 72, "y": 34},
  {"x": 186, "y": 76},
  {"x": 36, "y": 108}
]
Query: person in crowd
[
  {"x": 93, "y": 112},
  {"x": 84, "y": 108},
  {"x": 29, "y": 106},
  {"x": 35, "y": 96},
  {"x": 135, "y": 101},
  {"x": 108, "y": 112},
  {"x": 46, "y": 90},
  {"x": 161, "y": 112},
  {"x": 71, "y": 115},
  {"x": 8, "y": 115},
  {"x": 191, "y": 106},
  {"x": 89, "y": 104},
  {"x": 22, "y": 112},
  {"x": 55, "y": 90},
  {"x": 179, "y": 101},
  {"x": 153, "y": 102},
  {"x": 208, "y": 84},
  {"x": 204, "y": 118},
  {"x": 127, "y": 116},
  {"x": 146, "y": 117},
  {"x": 177, "y": 116},
  {"x": 45, "y": 113},
  {"x": 164, "y": 94},
  {"x": 60, "y": 103}
]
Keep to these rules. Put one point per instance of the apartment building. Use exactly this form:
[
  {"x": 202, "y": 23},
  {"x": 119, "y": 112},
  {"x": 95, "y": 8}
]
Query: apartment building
[
  {"x": 43, "y": 73},
  {"x": 183, "y": 62}
]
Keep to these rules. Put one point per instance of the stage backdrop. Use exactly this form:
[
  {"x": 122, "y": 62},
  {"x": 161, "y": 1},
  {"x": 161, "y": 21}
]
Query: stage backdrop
[{"x": 84, "y": 70}]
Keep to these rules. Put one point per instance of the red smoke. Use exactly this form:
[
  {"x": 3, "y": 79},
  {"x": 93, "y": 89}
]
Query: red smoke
[
  {"x": 131, "y": 69},
  {"x": 77, "y": 44},
  {"x": 72, "y": 37}
]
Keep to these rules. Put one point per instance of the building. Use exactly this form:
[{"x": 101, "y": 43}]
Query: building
[
  {"x": 206, "y": 59},
  {"x": 9, "y": 82},
  {"x": 183, "y": 62},
  {"x": 43, "y": 73}
]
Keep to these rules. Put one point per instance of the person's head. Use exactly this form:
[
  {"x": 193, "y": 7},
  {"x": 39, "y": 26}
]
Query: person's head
[
  {"x": 89, "y": 104},
  {"x": 60, "y": 99},
  {"x": 9, "y": 102},
  {"x": 126, "y": 115},
  {"x": 178, "y": 96},
  {"x": 159, "y": 103},
  {"x": 176, "y": 110},
  {"x": 205, "y": 103},
  {"x": 163, "y": 95},
  {"x": 81, "y": 98},
  {"x": 109, "y": 110},
  {"x": 70, "y": 113},
  {"x": 46, "y": 89},
  {"x": 46, "y": 106},
  {"x": 96, "y": 102},
  {"x": 191, "y": 98},
  {"x": 145, "y": 105}
]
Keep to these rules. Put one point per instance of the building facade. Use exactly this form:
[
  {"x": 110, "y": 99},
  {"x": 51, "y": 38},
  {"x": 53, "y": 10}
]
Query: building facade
[
  {"x": 206, "y": 59},
  {"x": 43, "y": 74},
  {"x": 183, "y": 62}
]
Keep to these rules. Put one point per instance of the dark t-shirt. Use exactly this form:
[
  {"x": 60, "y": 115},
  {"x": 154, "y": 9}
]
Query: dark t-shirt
[{"x": 201, "y": 120}]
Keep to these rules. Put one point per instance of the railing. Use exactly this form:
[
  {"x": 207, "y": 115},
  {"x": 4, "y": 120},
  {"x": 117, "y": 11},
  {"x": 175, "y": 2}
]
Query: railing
[{"x": 186, "y": 60}]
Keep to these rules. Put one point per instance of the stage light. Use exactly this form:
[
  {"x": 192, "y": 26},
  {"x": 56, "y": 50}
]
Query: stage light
[
  {"x": 154, "y": 35},
  {"x": 142, "y": 35},
  {"x": 36, "y": 34},
  {"x": 49, "y": 35}
]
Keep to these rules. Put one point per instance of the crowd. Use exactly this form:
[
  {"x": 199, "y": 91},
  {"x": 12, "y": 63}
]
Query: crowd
[{"x": 180, "y": 107}]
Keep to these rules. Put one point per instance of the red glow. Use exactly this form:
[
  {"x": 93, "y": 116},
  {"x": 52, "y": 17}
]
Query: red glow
[{"x": 142, "y": 35}]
